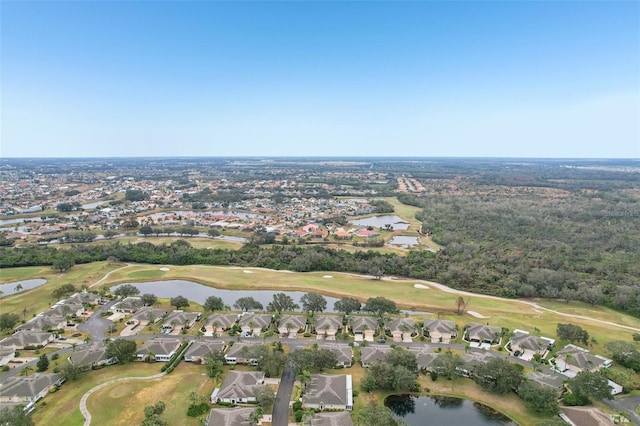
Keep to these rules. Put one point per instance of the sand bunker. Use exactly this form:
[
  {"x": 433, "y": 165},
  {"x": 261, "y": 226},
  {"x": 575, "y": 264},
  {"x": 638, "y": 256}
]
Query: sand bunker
[
  {"x": 247, "y": 272},
  {"x": 327, "y": 276},
  {"x": 475, "y": 314},
  {"x": 165, "y": 269},
  {"x": 421, "y": 286}
]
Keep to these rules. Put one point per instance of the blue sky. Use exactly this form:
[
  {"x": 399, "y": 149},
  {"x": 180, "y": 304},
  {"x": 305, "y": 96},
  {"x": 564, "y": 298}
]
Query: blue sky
[{"x": 505, "y": 79}]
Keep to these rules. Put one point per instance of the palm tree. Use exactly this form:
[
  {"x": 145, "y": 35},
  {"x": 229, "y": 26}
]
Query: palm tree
[
  {"x": 1, "y": 293},
  {"x": 26, "y": 370},
  {"x": 304, "y": 378},
  {"x": 18, "y": 288}
]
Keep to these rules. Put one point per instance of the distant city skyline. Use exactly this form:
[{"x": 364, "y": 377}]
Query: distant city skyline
[{"x": 320, "y": 79}]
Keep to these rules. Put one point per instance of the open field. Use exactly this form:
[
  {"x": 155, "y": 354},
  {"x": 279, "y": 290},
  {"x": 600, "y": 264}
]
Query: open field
[
  {"x": 123, "y": 403},
  {"x": 197, "y": 242},
  {"x": 507, "y": 313},
  {"x": 62, "y": 407}
]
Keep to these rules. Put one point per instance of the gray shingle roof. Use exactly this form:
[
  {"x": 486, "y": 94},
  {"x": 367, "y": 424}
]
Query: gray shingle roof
[
  {"x": 369, "y": 354},
  {"x": 344, "y": 353},
  {"x": 341, "y": 418},
  {"x": 230, "y": 417},
  {"x": 440, "y": 326},
  {"x": 240, "y": 384},
  {"x": 333, "y": 322},
  {"x": 326, "y": 389},
  {"x": 296, "y": 321},
  {"x": 202, "y": 348},
  {"x": 224, "y": 320},
  {"x": 27, "y": 387},
  {"x": 361, "y": 323}
]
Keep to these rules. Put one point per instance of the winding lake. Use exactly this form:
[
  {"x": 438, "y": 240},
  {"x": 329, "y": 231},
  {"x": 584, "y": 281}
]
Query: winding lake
[
  {"x": 443, "y": 410},
  {"x": 10, "y": 288},
  {"x": 198, "y": 293},
  {"x": 396, "y": 222}
]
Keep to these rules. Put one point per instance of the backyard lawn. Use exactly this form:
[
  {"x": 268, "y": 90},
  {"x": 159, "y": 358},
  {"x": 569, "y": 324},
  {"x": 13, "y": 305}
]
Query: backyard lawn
[
  {"x": 62, "y": 407},
  {"x": 123, "y": 403}
]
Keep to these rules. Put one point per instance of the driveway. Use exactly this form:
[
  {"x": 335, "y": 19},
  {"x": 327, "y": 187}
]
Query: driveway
[
  {"x": 627, "y": 404},
  {"x": 281, "y": 406},
  {"x": 96, "y": 326}
]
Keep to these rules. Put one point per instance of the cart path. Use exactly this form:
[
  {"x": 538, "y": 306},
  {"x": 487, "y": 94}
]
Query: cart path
[
  {"x": 101, "y": 280},
  {"x": 83, "y": 400},
  {"x": 434, "y": 284}
]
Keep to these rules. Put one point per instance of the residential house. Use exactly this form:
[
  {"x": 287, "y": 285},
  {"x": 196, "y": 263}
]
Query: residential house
[
  {"x": 84, "y": 297},
  {"x": 128, "y": 305},
  {"x": 553, "y": 381},
  {"x": 525, "y": 345},
  {"x": 65, "y": 310},
  {"x": 365, "y": 233},
  {"x": 291, "y": 325},
  {"x": 585, "y": 416},
  {"x": 6, "y": 355},
  {"x": 22, "y": 389},
  {"x": 239, "y": 387},
  {"x": 342, "y": 235},
  {"x": 337, "y": 418},
  {"x": 363, "y": 327},
  {"x": 344, "y": 353},
  {"x": 200, "y": 349},
  {"x": 482, "y": 336},
  {"x": 471, "y": 361},
  {"x": 160, "y": 350},
  {"x": 180, "y": 320},
  {"x": 27, "y": 340},
  {"x": 148, "y": 315},
  {"x": 424, "y": 357},
  {"x": 219, "y": 323},
  {"x": 440, "y": 331},
  {"x": 44, "y": 323},
  {"x": 326, "y": 326},
  {"x": 329, "y": 392},
  {"x": 253, "y": 324},
  {"x": 402, "y": 329},
  {"x": 371, "y": 354},
  {"x": 572, "y": 359},
  {"x": 95, "y": 356},
  {"x": 230, "y": 416},
  {"x": 240, "y": 353}
]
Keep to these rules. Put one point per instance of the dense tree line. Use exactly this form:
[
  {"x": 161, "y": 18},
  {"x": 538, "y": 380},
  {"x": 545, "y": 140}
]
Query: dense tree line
[
  {"x": 301, "y": 259},
  {"x": 571, "y": 247}
]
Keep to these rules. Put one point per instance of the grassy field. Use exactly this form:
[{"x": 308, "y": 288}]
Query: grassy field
[
  {"x": 62, "y": 407},
  {"x": 123, "y": 403},
  {"x": 500, "y": 312},
  {"x": 39, "y": 299}
]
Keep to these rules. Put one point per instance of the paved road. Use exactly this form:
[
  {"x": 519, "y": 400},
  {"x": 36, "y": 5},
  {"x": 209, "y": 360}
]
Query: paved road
[
  {"x": 281, "y": 406},
  {"x": 96, "y": 326},
  {"x": 627, "y": 404}
]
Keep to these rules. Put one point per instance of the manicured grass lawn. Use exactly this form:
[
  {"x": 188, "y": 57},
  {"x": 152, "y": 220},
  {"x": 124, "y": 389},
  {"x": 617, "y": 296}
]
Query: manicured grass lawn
[
  {"x": 39, "y": 299},
  {"x": 123, "y": 403},
  {"x": 501, "y": 312},
  {"x": 17, "y": 274},
  {"x": 62, "y": 407}
]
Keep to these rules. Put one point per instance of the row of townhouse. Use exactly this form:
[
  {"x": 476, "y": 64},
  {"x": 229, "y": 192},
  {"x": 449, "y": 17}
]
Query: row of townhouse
[
  {"x": 28, "y": 390},
  {"x": 323, "y": 392}
]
